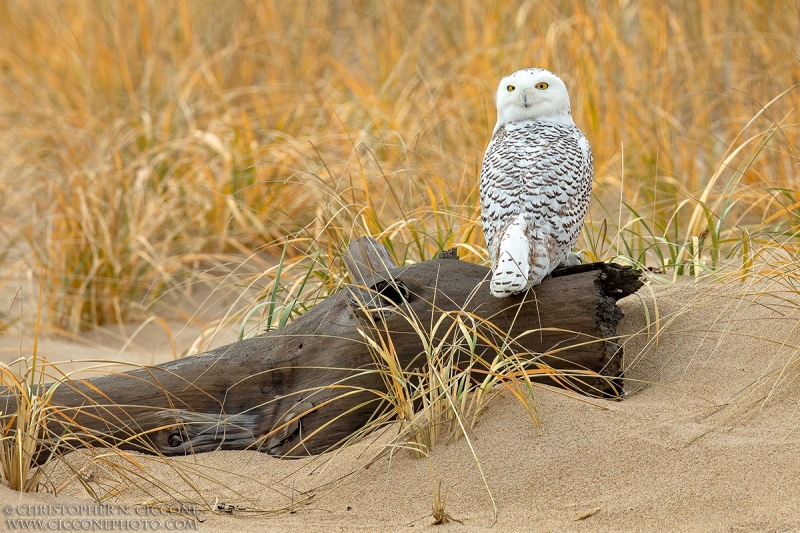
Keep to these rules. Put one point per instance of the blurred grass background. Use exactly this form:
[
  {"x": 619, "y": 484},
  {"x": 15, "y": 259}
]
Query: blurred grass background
[{"x": 146, "y": 147}]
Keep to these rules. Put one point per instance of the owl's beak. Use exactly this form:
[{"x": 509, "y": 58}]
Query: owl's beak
[{"x": 527, "y": 97}]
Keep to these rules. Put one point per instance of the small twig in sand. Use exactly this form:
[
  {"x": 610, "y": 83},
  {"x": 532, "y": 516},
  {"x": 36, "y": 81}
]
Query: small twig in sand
[{"x": 587, "y": 515}]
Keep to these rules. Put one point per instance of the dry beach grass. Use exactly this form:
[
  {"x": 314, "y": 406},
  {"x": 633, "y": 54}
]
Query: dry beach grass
[{"x": 182, "y": 174}]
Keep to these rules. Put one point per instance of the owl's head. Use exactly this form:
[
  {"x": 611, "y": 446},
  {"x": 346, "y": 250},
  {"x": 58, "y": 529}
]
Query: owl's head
[{"x": 532, "y": 94}]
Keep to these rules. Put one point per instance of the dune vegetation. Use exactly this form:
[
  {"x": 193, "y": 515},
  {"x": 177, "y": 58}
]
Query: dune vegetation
[{"x": 147, "y": 149}]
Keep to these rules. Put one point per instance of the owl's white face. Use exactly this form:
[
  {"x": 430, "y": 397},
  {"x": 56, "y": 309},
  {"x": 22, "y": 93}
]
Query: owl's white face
[{"x": 532, "y": 94}]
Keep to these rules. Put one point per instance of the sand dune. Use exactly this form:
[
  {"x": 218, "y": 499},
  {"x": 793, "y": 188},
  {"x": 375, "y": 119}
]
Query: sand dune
[{"x": 707, "y": 440}]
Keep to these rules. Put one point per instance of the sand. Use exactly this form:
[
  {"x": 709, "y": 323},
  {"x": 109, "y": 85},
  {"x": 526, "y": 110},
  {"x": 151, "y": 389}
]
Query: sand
[{"x": 707, "y": 440}]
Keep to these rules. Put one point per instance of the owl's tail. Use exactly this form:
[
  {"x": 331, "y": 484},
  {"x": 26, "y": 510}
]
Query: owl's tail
[
  {"x": 512, "y": 268},
  {"x": 513, "y": 271}
]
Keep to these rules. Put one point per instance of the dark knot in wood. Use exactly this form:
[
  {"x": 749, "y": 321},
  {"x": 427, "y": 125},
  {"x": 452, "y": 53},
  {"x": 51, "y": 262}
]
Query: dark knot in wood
[{"x": 175, "y": 440}]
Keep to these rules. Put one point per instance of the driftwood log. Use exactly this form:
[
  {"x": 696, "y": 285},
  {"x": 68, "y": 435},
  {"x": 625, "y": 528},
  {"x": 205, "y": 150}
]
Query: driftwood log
[{"x": 305, "y": 388}]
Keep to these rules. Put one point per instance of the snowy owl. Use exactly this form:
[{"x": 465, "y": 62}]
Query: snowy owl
[{"x": 536, "y": 181}]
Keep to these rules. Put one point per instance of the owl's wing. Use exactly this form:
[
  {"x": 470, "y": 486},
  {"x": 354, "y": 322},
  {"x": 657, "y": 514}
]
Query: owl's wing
[
  {"x": 499, "y": 188},
  {"x": 557, "y": 183}
]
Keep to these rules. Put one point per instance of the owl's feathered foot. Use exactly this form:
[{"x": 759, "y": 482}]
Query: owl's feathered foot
[{"x": 572, "y": 260}]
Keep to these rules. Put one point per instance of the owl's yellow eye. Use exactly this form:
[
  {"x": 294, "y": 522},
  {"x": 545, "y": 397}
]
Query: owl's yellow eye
[
  {"x": 542, "y": 85},
  {"x": 510, "y": 88}
]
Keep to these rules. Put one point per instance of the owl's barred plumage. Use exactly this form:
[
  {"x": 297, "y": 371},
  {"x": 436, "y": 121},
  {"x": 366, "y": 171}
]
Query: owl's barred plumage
[{"x": 536, "y": 181}]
